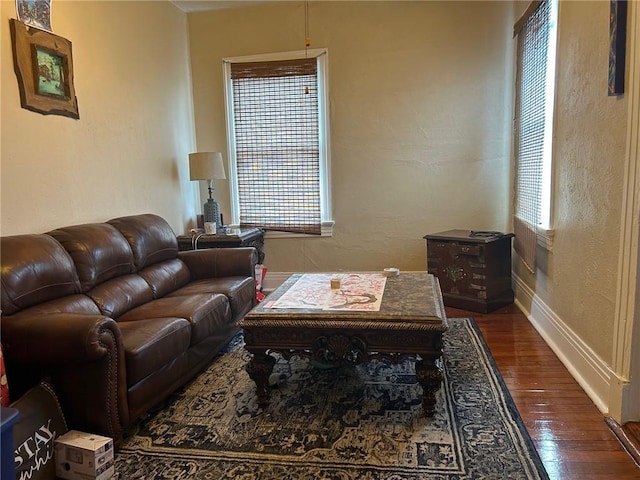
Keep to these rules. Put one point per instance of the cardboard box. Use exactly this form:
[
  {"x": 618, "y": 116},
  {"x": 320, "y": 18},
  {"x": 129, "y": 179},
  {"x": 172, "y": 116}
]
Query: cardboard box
[{"x": 84, "y": 456}]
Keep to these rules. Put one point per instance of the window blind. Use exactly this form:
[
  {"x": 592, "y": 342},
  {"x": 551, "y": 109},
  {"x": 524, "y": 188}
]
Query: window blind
[
  {"x": 276, "y": 123},
  {"x": 533, "y": 34}
]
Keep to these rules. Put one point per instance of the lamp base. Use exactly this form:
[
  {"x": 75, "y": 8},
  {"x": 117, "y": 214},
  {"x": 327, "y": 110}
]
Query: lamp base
[{"x": 212, "y": 212}]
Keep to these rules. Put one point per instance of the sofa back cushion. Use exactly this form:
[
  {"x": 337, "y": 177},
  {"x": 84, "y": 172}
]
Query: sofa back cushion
[
  {"x": 99, "y": 252},
  {"x": 35, "y": 268},
  {"x": 150, "y": 237},
  {"x": 119, "y": 295},
  {"x": 166, "y": 277}
]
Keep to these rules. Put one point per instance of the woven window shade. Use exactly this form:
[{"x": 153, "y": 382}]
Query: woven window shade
[
  {"x": 277, "y": 144},
  {"x": 533, "y": 32}
]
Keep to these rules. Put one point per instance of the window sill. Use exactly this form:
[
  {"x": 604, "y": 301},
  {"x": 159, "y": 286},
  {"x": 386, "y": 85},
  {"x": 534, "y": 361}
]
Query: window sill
[{"x": 545, "y": 238}]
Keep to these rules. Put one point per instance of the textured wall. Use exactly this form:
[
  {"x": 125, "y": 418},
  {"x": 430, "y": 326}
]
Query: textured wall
[
  {"x": 420, "y": 100},
  {"x": 128, "y": 151}
]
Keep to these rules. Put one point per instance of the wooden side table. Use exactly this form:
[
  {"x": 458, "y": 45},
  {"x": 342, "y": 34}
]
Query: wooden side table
[
  {"x": 237, "y": 237},
  {"x": 474, "y": 268}
]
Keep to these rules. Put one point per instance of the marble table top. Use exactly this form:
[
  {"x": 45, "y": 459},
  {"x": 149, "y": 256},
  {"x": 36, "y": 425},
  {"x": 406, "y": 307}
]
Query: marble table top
[{"x": 411, "y": 301}]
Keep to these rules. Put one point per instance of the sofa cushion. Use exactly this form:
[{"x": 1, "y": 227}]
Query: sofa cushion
[
  {"x": 150, "y": 237},
  {"x": 151, "y": 344},
  {"x": 207, "y": 313},
  {"x": 241, "y": 292},
  {"x": 99, "y": 252},
  {"x": 165, "y": 277},
  {"x": 119, "y": 295},
  {"x": 35, "y": 268}
]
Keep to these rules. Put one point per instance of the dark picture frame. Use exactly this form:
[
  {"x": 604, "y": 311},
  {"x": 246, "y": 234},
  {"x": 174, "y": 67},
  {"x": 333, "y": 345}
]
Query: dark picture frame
[
  {"x": 44, "y": 67},
  {"x": 617, "y": 45}
]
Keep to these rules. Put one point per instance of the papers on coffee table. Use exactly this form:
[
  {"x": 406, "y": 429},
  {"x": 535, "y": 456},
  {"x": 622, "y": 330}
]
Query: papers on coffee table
[{"x": 358, "y": 291}]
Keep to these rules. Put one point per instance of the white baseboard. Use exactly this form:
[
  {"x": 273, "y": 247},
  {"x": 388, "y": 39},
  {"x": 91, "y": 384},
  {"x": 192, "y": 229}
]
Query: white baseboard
[{"x": 589, "y": 370}]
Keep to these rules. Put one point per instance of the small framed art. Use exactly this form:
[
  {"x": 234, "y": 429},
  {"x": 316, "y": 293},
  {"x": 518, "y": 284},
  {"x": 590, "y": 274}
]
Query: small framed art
[
  {"x": 44, "y": 68},
  {"x": 617, "y": 44}
]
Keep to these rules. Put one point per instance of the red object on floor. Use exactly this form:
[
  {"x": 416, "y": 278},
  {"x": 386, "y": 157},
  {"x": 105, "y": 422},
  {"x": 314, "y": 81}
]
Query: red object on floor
[
  {"x": 261, "y": 272},
  {"x": 4, "y": 386}
]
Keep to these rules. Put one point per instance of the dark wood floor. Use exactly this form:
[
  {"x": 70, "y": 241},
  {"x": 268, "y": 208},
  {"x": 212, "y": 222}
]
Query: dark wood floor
[
  {"x": 632, "y": 432},
  {"x": 568, "y": 430}
]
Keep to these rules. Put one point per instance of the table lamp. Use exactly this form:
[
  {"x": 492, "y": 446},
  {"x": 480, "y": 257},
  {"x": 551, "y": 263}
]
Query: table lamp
[{"x": 208, "y": 166}]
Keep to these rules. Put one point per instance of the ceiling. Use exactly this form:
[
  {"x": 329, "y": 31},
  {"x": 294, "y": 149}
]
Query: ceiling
[{"x": 203, "y": 5}]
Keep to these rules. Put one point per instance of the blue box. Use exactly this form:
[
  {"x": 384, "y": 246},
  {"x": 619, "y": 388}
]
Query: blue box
[{"x": 8, "y": 416}]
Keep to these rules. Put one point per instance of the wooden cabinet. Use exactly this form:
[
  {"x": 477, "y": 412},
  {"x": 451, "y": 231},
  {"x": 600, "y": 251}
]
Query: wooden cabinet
[{"x": 474, "y": 268}]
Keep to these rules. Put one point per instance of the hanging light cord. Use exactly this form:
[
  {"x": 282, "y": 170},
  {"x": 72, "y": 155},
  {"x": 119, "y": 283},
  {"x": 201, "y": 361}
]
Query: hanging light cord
[{"x": 307, "y": 40}]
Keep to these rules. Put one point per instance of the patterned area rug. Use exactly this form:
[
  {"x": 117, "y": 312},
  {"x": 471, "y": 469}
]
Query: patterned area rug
[{"x": 361, "y": 422}]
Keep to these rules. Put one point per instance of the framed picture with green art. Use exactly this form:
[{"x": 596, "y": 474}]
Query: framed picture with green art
[{"x": 44, "y": 68}]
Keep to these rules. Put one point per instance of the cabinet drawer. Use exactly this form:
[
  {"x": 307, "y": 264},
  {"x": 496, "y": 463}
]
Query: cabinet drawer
[{"x": 455, "y": 249}]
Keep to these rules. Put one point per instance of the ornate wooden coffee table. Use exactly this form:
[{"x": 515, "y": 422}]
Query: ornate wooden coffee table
[{"x": 409, "y": 323}]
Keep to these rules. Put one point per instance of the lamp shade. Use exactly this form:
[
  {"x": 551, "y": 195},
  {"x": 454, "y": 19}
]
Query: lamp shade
[{"x": 206, "y": 166}]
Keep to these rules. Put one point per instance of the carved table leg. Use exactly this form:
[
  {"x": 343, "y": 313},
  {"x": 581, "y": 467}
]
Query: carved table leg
[
  {"x": 259, "y": 369},
  {"x": 430, "y": 377}
]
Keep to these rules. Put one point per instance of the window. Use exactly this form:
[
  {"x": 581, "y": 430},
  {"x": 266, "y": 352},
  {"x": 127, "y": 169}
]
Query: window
[
  {"x": 533, "y": 127},
  {"x": 278, "y": 141}
]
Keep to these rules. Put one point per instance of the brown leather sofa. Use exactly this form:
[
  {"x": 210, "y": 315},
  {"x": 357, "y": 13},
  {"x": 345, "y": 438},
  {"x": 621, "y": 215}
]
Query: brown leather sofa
[{"x": 116, "y": 316}]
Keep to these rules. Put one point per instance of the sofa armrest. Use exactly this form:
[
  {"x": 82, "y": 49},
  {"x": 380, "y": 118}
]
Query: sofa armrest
[
  {"x": 58, "y": 338},
  {"x": 221, "y": 262},
  {"x": 83, "y": 354}
]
